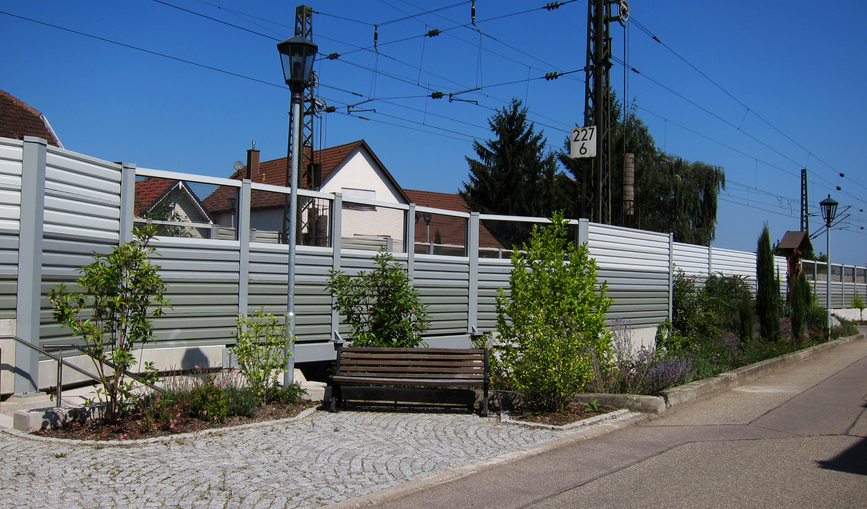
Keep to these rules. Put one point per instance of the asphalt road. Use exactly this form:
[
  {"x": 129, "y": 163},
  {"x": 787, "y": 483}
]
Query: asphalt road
[{"x": 797, "y": 438}]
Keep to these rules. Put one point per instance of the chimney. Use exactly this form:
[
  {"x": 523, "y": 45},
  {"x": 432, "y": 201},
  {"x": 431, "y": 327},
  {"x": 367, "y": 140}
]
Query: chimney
[{"x": 252, "y": 162}]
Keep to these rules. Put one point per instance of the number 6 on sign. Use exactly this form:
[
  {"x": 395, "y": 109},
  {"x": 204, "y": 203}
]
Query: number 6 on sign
[{"x": 583, "y": 142}]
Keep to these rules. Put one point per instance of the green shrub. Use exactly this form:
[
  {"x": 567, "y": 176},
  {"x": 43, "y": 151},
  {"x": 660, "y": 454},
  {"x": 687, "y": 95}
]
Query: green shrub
[
  {"x": 120, "y": 293},
  {"x": 262, "y": 348},
  {"x": 241, "y": 401},
  {"x": 291, "y": 394},
  {"x": 161, "y": 410},
  {"x": 208, "y": 402},
  {"x": 858, "y": 304},
  {"x": 381, "y": 307},
  {"x": 552, "y": 323},
  {"x": 800, "y": 303},
  {"x": 746, "y": 319},
  {"x": 844, "y": 330}
]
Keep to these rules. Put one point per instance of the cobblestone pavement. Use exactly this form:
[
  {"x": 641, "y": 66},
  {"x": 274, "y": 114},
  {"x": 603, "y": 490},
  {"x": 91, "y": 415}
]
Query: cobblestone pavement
[{"x": 316, "y": 460}]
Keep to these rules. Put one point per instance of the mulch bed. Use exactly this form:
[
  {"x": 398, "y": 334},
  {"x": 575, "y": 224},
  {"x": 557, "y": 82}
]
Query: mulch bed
[
  {"x": 573, "y": 413},
  {"x": 130, "y": 427}
]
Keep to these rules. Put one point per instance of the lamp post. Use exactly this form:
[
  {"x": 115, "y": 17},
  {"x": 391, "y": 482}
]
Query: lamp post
[
  {"x": 297, "y": 55},
  {"x": 829, "y": 212}
]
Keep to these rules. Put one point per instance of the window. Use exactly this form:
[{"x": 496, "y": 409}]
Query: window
[{"x": 365, "y": 194}]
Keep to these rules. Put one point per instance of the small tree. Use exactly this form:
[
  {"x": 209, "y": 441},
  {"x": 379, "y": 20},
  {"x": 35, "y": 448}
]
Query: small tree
[
  {"x": 768, "y": 289},
  {"x": 381, "y": 307},
  {"x": 262, "y": 348},
  {"x": 552, "y": 323},
  {"x": 858, "y": 304},
  {"x": 120, "y": 292}
]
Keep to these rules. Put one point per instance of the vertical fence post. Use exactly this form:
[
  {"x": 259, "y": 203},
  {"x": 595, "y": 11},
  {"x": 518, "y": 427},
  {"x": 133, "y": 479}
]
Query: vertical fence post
[
  {"x": 473, "y": 253},
  {"x": 409, "y": 236},
  {"x": 127, "y": 202},
  {"x": 30, "y": 264},
  {"x": 670, "y": 276},
  {"x": 243, "y": 233},
  {"x": 336, "y": 229},
  {"x": 709, "y": 261}
]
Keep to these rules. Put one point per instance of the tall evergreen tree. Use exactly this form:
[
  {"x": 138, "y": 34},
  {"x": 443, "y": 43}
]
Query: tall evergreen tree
[
  {"x": 514, "y": 175},
  {"x": 768, "y": 289}
]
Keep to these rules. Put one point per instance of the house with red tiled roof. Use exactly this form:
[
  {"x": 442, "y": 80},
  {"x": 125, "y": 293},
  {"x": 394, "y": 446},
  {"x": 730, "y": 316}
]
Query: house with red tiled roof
[
  {"x": 164, "y": 202},
  {"x": 352, "y": 169},
  {"x": 18, "y": 120},
  {"x": 445, "y": 234}
]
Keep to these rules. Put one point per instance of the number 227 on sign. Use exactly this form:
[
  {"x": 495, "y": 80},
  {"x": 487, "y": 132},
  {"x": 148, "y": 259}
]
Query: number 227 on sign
[{"x": 583, "y": 142}]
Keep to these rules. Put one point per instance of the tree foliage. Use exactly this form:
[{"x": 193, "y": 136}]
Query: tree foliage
[
  {"x": 672, "y": 195},
  {"x": 120, "y": 292},
  {"x": 768, "y": 289},
  {"x": 551, "y": 324},
  {"x": 514, "y": 175},
  {"x": 262, "y": 348},
  {"x": 381, "y": 307}
]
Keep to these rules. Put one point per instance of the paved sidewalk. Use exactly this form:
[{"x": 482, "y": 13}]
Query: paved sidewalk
[
  {"x": 319, "y": 459},
  {"x": 356, "y": 458}
]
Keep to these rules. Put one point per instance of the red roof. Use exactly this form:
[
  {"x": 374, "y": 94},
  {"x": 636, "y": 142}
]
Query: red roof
[
  {"x": 452, "y": 229},
  {"x": 18, "y": 120},
  {"x": 148, "y": 191}
]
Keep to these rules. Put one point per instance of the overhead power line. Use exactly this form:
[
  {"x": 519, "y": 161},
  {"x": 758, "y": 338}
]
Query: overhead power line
[
  {"x": 143, "y": 50},
  {"x": 741, "y": 103}
]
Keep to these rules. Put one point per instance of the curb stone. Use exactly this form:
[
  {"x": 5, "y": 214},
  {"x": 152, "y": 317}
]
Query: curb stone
[
  {"x": 505, "y": 418},
  {"x": 156, "y": 440}
]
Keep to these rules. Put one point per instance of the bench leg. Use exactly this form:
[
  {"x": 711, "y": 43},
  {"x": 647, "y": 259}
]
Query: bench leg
[{"x": 333, "y": 401}]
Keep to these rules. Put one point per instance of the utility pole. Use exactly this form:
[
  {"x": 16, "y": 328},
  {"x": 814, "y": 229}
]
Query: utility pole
[
  {"x": 805, "y": 204},
  {"x": 309, "y": 177},
  {"x": 597, "y": 106}
]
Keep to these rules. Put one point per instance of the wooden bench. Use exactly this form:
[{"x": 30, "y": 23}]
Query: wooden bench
[{"x": 409, "y": 374}]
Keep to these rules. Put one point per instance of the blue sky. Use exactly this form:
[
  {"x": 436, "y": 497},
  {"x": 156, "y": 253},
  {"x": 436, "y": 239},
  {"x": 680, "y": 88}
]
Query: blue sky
[{"x": 761, "y": 89}]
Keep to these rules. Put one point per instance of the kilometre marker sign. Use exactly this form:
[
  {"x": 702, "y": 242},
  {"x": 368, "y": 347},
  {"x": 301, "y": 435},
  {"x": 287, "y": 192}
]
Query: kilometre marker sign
[{"x": 583, "y": 142}]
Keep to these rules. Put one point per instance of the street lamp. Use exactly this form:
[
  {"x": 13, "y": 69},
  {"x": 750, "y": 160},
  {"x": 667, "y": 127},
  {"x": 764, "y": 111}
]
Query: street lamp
[
  {"x": 829, "y": 212},
  {"x": 297, "y": 55}
]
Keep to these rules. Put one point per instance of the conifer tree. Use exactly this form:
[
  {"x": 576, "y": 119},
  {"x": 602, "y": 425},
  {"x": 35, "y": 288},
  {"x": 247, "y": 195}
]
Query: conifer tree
[
  {"x": 768, "y": 289},
  {"x": 513, "y": 175}
]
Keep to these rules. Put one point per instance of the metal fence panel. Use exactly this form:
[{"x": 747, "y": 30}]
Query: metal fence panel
[{"x": 82, "y": 195}]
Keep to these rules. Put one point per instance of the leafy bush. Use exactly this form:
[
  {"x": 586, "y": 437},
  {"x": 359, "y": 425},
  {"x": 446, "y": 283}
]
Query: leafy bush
[
  {"x": 262, "y": 347},
  {"x": 381, "y": 307},
  {"x": 208, "y": 402},
  {"x": 800, "y": 302},
  {"x": 858, "y": 304},
  {"x": 241, "y": 401},
  {"x": 120, "y": 292},
  {"x": 161, "y": 410},
  {"x": 552, "y": 323},
  {"x": 704, "y": 311},
  {"x": 289, "y": 394},
  {"x": 845, "y": 329}
]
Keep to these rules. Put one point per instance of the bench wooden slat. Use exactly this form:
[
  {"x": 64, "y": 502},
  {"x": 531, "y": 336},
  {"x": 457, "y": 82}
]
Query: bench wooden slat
[
  {"x": 413, "y": 362},
  {"x": 397, "y": 370},
  {"x": 412, "y": 358},
  {"x": 404, "y": 381},
  {"x": 418, "y": 374}
]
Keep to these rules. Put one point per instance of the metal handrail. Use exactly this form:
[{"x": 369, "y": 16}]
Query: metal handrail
[{"x": 61, "y": 363}]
